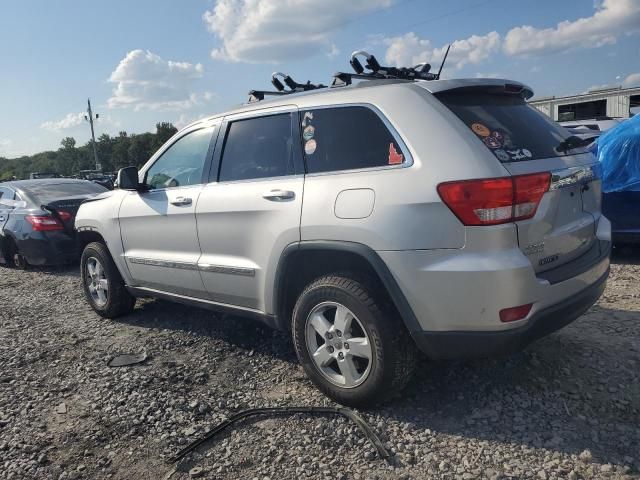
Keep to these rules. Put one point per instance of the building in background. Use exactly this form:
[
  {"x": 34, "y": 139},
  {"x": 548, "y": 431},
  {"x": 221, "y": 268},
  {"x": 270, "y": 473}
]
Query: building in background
[{"x": 615, "y": 102}]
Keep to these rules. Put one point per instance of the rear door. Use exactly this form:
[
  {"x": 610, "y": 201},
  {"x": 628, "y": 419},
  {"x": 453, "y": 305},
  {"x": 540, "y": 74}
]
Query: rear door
[
  {"x": 526, "y": 141},
  {"x": 250, "y": 211}
]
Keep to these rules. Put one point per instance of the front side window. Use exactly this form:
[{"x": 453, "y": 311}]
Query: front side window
[
  {"x": 258, "y": 147},
  {"x": 346, "y": 138},
  {"x": 183, "y": 163}
]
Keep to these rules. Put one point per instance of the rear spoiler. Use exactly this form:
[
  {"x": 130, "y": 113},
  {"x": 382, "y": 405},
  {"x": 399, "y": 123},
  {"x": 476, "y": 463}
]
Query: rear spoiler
[{"x": 491, "y": 85}]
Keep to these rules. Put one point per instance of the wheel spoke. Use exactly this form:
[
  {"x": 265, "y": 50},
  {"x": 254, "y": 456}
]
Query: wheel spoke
[
  {"x": 103, "y": 284},
  {"x": 320, "y": 324},
  {"x": 348, "y": 370},
  {"x": 101, "y": 295},
  {"x": 342, "y": 319},
  {"x": 91, "y": 269},
  {"x": 359, "y": 347},
  {"x": 322, "y": 357}
]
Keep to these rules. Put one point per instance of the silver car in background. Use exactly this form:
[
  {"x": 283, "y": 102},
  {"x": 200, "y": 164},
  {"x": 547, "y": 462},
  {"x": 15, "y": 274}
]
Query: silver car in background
[{"x": 371, "y": 221}]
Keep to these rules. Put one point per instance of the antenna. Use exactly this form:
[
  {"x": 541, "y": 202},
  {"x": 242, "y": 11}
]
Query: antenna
[{"x": 442, "y": 64}]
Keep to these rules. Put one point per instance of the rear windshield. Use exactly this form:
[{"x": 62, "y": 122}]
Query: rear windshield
[
  {"x": 510, "y": 128},
  {"x": 49, "y": 192}
]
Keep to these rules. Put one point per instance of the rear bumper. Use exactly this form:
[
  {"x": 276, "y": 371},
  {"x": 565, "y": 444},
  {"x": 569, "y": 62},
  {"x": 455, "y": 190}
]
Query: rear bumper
[
  {"x": 461, "y": 344},
  {"x": 48, "y": 248},
  {"x": 626, "y": 237}
]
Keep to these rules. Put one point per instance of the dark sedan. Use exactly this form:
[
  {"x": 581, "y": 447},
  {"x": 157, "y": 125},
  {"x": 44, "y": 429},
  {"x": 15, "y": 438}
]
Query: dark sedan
[{"x": 36, "y": 220}]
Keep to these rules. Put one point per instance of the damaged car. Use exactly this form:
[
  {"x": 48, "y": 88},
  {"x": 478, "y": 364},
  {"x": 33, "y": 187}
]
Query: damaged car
[{"x": 36, "y": 220}]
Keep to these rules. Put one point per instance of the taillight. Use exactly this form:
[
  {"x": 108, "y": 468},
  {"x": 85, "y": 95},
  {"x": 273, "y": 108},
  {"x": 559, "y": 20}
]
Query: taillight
[
  {"x": 41, "y": 223},
  {"x": 64, "y": 216},
  {"x": 493, "y": 201}
]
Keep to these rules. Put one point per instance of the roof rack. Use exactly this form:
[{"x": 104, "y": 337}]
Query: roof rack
[
  {"x": 294, "y": 87},
  {"x": 340, "y": 79},
  {"x": 379, "y": 72}
]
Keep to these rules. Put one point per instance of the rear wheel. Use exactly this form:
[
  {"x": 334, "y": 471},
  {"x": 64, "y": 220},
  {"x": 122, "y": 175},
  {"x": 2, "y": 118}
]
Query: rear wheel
[
  {"x": 13, "y": 257},
  {"x": 354, "y": 348},
  {"x": 103, "y": 285}
]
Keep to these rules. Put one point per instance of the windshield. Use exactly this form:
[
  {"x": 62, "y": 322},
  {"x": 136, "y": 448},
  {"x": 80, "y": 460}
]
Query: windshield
[
  {"x": 510, "y": 128},
  {"x": 44, "y": 193}
]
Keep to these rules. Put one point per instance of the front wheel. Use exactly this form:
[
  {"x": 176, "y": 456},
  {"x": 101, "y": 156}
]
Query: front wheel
[
  {"x": 353, "y": 349},
  {"x": 103, "y": 286}
]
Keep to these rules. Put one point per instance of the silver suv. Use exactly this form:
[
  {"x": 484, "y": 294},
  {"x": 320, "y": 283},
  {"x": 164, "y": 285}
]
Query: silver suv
[{"x": 371, "y": 220}]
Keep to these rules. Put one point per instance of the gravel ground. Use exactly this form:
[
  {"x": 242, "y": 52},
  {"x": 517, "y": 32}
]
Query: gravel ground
[{"x": 567, "y": 407}]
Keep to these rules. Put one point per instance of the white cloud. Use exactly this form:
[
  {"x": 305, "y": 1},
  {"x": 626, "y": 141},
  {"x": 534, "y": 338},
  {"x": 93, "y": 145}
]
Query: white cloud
[
  {"x": 409, "y": 50},
  {"x": 5, "y": 144},
  {"x": 271, "y": 31},
  {"x": 144, "y": 80},
  {"x": 631, "y": 80},
  {"x": 70, "y": 120},
  {"x": 611, "y": 19}
]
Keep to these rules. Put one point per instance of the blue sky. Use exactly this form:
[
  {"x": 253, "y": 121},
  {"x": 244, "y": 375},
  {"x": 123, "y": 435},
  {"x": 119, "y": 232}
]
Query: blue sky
[{"x": 146, "y": 61}]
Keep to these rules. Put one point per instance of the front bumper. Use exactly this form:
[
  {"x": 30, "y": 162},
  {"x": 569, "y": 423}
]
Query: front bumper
[{"x": 469, "y": 344}]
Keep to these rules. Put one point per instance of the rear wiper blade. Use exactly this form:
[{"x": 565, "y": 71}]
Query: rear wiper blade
[{"x": 573, "y": 142}]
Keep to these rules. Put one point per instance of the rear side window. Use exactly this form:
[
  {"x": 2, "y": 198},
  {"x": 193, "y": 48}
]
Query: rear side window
[
  {"x": 258, "y": 147},
  {"x": 43, "y": 193},
  {"x": 509, "y": 127},
  {"x": 346, "y": 138}
]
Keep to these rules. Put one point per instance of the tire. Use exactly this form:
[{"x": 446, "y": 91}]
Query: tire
[
  {"x": 13, "y": 257},
  {"x": 393, "y": 354},
  {"x": 110, "y": 299}
]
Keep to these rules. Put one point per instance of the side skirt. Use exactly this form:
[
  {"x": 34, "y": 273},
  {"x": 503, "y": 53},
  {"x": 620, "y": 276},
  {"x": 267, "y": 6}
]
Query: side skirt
[{"x": 259, "y": 315}]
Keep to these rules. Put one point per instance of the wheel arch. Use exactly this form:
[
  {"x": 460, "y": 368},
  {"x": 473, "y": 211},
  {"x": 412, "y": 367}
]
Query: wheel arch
[
  {"x": 87, "y": 236},
  {"x": 302, "y": 262}
]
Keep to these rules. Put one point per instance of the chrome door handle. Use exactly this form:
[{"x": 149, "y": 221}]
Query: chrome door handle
[
  {"x": 278, "y": 195},
  {"x": 181, "y": 201},
  {"x": 1, "y": 218}
]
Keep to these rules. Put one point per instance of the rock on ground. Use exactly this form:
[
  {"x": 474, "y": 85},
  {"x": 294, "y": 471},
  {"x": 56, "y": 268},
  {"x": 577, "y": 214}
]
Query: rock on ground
[{"x": 567, "y": 407}]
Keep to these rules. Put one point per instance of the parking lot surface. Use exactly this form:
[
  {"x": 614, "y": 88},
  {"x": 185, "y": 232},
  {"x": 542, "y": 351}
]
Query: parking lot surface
[{"x": 567, "y": 407}]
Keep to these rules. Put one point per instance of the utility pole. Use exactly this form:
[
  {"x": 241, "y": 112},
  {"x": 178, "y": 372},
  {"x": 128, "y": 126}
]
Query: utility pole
[{"x": 89, "y": 118}]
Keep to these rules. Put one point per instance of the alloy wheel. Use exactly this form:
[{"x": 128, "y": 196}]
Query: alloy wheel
[
  {"x": 97, "y": 282},
  {"x": 338, "y": 344}
]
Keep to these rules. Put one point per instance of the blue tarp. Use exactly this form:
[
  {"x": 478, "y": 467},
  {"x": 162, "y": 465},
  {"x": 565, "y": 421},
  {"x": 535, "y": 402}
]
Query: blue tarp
[{"x": 618, "y": 151}]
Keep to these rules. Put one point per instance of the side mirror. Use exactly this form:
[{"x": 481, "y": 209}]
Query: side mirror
[{"x": 128, "y": 179}]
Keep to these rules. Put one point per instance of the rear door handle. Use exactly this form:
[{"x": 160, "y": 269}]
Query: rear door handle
[
  {"x": 181, "y": 201},
  {"x": 278, "y": 195},
  {"x": 2, "y": 218}
]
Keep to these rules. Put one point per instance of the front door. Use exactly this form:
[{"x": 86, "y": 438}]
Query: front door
[
  {"x": 158, "y": 227},
  {"x": 248, "y": 216}
]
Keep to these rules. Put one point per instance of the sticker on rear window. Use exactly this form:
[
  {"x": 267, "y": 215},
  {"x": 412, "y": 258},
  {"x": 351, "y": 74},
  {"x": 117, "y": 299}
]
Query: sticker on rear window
[
  {"x": 310, "y": 147},
  {"x": 308, "y": 116},
  {"x": 395, "y": 158},
  {"x": 480, "y": 129},
  {"x": 518, "y": 154},
  {"x": 492, "y": 142},
  {"x": 308, "y": 132},
  {"x": 502, "y": 155}
]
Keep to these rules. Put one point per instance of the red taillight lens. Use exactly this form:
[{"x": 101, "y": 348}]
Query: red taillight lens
[
  {"x": 493, "y": 201},
  {"x": 44, "y": 223},
  {"x": 515, "y": 313},
  {"x": 64, "y": 216}
]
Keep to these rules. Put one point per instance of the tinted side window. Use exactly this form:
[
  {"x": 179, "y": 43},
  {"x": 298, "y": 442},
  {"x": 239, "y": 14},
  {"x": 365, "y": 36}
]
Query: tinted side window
[
  {"x": 182, "y": 164},
  {"x": 347, "y": 138},
  {"x": 258, "y": 148}
]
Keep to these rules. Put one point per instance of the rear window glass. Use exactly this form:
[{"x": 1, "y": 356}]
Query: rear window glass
[
  {"x": 510, "y": 128},
  {"x": 347, "y": 138},
  {"x": 48, "y": 192}
]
